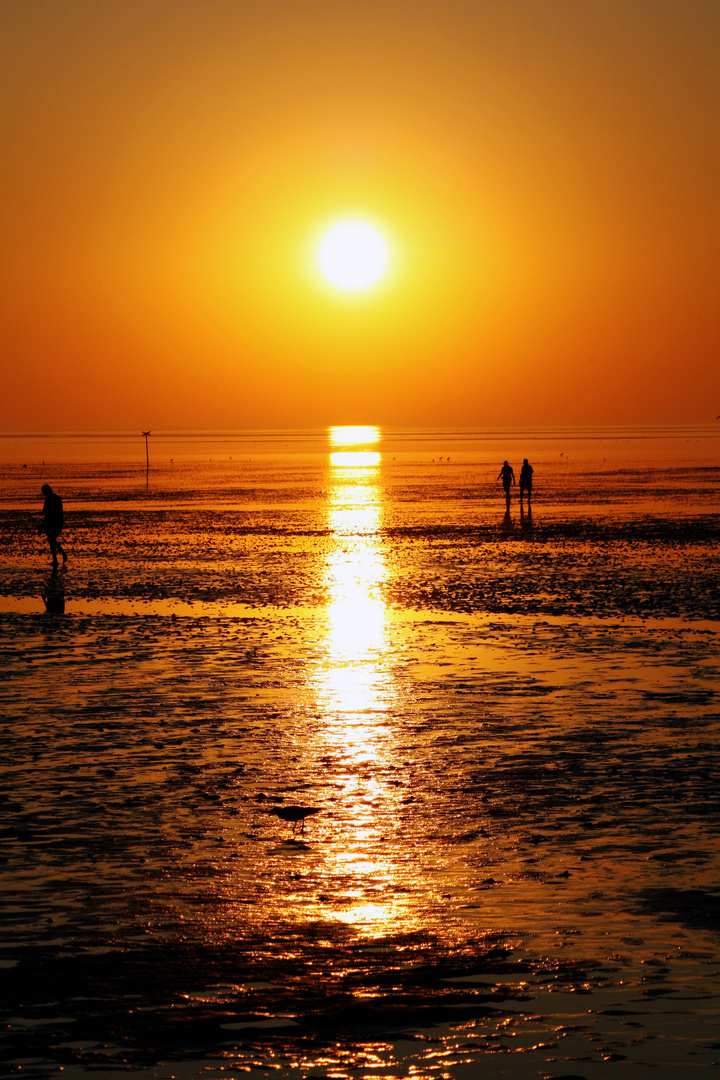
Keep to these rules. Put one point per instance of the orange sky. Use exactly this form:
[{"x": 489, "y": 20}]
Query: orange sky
[{"x": 547, "y": 175}]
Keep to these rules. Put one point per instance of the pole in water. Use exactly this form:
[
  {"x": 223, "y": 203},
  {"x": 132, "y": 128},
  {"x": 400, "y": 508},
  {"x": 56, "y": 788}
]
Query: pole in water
[{"x": 147, "y": 459}]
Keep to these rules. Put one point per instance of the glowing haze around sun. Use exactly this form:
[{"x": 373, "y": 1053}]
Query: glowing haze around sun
[{"x": 352, "y": 255}]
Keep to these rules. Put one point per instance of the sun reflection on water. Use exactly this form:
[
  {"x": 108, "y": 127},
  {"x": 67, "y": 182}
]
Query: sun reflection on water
[
  {"x": 366, "y": 435},
  {"x": 355, "y": 573},
  {"x": 359, "y": 438},
  {"x": 355, "y": 458},
  {"x": 355, "y": 694}
]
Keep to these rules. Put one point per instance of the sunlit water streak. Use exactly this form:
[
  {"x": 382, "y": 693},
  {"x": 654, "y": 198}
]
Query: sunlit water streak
[
  {"x": 356, "y": 696},
  {"x": 355, "y": 575}
]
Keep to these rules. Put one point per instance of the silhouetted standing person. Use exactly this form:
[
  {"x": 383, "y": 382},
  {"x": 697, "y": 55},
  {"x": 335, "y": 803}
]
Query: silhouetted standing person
[
  {"x": 508, "y": 477},
  {"x": 526, "y": 475},
  {"x": 53, "y": 522}
]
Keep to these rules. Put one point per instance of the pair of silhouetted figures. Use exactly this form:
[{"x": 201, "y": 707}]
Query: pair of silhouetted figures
[{"x": 507, "y": 476}]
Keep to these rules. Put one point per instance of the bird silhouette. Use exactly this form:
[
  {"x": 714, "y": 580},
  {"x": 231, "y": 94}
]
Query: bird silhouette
[{"x": 295, "y": 814}]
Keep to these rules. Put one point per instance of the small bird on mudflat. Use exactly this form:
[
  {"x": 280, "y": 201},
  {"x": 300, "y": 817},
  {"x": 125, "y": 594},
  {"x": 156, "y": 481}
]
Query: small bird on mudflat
[{"x": 295, "y": 814}]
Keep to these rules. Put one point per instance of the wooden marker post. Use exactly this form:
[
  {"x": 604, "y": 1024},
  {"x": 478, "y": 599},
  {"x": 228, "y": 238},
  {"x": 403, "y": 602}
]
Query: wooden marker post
[{"x": 147, "y": 460}]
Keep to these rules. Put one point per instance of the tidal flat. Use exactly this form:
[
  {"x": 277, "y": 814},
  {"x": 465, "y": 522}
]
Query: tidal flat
[{"x": 508, "y": 724}]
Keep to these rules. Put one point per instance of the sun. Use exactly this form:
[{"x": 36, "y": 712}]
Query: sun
[{"x": 352, "y": 255}]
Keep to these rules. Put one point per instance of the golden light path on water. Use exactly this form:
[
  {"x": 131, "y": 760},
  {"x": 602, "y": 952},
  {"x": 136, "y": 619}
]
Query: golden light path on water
[
  {"x": 359, "y": 436},
  {"x": 355, "y": 689}
]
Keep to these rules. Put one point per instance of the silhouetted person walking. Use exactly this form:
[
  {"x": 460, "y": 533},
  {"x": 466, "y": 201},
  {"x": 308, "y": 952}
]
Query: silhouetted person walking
[
  {"x": 508, "y": 477},
  {"x": 526, "y": 475},
  {"x": 52, "y": 522}
]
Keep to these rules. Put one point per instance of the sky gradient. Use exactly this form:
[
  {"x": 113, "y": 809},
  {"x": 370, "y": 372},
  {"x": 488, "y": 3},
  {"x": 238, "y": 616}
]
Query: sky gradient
[{"x": 546, "y": 176}]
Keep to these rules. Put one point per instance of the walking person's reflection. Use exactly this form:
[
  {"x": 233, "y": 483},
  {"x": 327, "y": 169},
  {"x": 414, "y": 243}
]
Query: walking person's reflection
[
  {"x": 54, "y": 594},
  {"x": 526, "y": 520}
]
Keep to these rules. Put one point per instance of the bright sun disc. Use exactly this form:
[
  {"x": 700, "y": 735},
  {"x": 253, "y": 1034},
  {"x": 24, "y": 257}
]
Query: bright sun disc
[{"x": 352, "y": 255}]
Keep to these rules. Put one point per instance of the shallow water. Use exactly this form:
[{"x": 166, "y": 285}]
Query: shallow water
[{"x": 509, "y": 728}]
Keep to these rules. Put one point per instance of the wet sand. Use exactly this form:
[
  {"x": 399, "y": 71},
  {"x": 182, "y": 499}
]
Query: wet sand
[{"x": 510, "y": 729}]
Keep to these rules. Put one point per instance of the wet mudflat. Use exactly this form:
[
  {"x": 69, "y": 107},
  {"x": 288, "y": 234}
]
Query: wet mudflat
[{"x": 510, "y": 731}]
